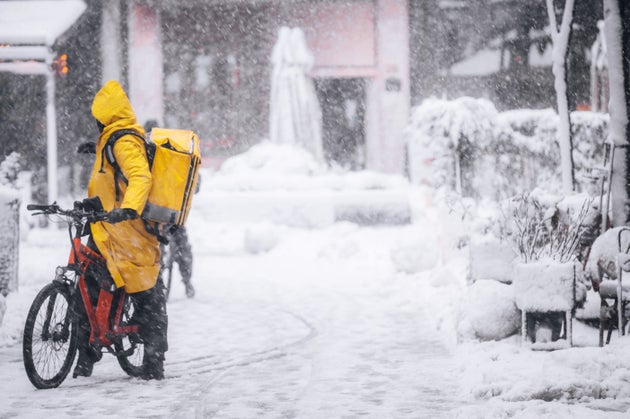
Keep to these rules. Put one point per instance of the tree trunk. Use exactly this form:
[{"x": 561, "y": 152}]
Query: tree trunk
[
  {"x": 616, "y": 34},
  {"x": 560, "y": 36}
]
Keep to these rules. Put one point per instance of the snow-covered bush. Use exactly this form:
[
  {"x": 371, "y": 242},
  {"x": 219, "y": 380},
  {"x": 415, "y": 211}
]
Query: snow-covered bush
[
  {"x": 9, "y": 227},
  {"x": 467, "y": 146},
  {"x": 443, "y": 137},
  {"x": 548, "y": 226},
  {"x": 9, "y": 170},
  {"x": 488, "y": 312}
]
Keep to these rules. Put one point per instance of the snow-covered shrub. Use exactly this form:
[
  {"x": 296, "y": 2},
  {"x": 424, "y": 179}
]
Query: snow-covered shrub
[
  {"x": 488, "y": 312},
  {"x": 547, "y": 226},
  {"x": 9, "y": 223},
  {"x": 443, "y": 137},
  {"x": 466, "y": 145},
  {"x": 9, "y": 170}
]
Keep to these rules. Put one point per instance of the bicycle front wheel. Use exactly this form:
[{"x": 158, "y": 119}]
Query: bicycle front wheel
[{"x": 50, "y": 337}]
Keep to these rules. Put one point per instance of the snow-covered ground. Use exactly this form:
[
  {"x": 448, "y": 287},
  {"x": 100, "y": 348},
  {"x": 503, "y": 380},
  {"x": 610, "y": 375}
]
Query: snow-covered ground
[{"x": 302, "y": 315}]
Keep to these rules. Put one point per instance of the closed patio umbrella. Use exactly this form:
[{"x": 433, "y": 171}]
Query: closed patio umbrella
[{"x": 295, "y": 112}]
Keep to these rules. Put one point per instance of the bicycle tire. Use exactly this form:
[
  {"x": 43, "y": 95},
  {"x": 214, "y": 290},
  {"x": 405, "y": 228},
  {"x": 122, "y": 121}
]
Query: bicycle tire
[
  {"x": 166, "y": 268},
  {"x": 50, "y": 338},
  {"x": 132, "y": 363}
]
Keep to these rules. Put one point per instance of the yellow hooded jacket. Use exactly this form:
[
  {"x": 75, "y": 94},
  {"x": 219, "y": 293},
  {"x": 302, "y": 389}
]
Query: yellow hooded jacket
[{"x": 131, "y": 252}]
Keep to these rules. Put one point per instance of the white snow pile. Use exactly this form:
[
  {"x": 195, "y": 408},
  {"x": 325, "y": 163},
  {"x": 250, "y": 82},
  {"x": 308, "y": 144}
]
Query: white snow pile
[
  {"x": 488, "y": 312},
  {"x": 268, "y": 166},
  {"x": 260, "y": 238},
  {"x": 284, "y": 184},
  {"x": 415, "y": 256},
  {"x": 272, "y": 159}
]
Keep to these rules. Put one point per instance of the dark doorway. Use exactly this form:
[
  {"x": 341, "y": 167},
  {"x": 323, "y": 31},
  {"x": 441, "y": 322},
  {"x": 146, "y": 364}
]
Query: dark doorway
[{"x": 343, "y": 118}]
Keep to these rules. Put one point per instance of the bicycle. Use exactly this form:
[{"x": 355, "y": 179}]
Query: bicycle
[{"x": 50, "y": 340}]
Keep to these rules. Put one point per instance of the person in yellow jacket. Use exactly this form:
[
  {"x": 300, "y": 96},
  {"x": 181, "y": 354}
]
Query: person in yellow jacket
[{"x": 132, "y": 253}]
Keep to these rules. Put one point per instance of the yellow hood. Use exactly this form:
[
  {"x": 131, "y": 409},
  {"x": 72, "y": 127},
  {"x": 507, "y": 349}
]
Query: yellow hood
[{"x": 111, "y": 107}]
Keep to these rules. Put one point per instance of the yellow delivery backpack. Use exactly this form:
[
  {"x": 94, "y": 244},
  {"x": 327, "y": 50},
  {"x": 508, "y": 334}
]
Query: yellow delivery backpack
[{"x": 174, "y": 160}]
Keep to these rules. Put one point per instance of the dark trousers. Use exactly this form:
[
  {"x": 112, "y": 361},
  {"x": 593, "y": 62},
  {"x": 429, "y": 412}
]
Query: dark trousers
[
  {"x": 152, "y": 319},
  {"x": 183, "y": 253}
]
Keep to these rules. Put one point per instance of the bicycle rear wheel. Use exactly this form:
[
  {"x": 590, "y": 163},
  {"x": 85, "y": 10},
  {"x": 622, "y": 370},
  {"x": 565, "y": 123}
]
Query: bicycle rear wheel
[
  {"x": 50, "y": 337},
  {"x": 130, "y": 349}
]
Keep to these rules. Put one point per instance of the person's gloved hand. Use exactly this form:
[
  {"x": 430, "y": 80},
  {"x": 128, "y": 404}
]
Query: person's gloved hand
[
  {"x": 121, "y": 214},
  {"x": 87, "y": 148},
  {"x": 90, "y": 204}
]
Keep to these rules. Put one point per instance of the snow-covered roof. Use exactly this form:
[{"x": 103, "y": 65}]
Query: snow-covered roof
[
  {"x": 38, "y": 22},
  {"x": 482, "y": 63}
]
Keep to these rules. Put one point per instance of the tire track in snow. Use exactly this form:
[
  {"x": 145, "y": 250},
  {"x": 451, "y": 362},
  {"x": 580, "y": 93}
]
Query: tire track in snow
[{"x": 204, "y": 364}]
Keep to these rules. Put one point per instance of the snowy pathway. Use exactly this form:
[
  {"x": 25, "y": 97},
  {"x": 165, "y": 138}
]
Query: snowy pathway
[{"x": 319, "y": 327}]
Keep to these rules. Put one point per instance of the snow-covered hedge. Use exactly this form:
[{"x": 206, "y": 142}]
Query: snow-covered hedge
[
  {"x": 467, "y": 145},
  {"x": 9, "y": 223}
]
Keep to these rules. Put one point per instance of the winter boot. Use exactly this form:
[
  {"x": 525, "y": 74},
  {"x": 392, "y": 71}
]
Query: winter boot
[
  {"x": 153, "y": 366},
  {"x": 84, "y": 367},
  {"x": 88, "y": 356},
  {"x": 190, "y": 290}
]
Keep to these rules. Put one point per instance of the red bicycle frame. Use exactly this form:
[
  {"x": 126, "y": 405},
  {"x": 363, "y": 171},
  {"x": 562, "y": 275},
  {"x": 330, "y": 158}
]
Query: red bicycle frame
[{"x": 101, "y": 333}]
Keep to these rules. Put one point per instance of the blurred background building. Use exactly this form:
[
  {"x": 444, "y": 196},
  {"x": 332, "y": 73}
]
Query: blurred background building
[{"x": 205, "y": 65}]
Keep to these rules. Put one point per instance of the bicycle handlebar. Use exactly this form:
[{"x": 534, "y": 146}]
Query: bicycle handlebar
[
  {"x": 77, "y": 214},
  {"x": 37, "y": 207}
]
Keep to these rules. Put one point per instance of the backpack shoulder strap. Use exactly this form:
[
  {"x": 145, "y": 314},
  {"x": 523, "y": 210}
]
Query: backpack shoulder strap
[
  {"x": 108, "y": 150},
  {"x": 108, "y": 153}
]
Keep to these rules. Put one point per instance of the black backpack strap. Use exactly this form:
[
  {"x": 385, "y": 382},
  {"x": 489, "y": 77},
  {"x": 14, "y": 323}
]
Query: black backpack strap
[
  {"x": 162, "y": 232},
  {"x": 108, "y": 153}
]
